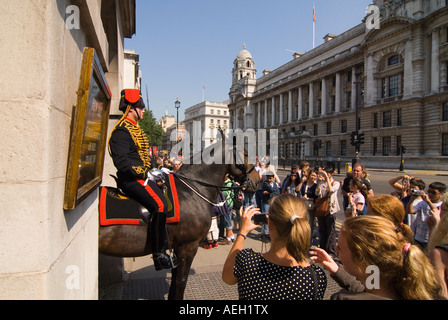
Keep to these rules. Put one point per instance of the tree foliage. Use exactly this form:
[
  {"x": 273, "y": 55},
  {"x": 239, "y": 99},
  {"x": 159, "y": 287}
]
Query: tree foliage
[{"x": 151, "y": 128}]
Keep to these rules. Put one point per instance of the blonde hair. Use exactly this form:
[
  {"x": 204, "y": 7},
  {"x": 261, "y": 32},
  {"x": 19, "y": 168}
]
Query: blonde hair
[
  {"x": 444, "y": 205},
  {"x": 289, "y": 215},
  {"x": 391, "y": 208},
  {"x": 374, "y": 240}
]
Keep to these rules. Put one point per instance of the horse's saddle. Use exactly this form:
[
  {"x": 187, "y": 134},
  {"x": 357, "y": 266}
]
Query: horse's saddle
[{"x": 117, "y": 208}]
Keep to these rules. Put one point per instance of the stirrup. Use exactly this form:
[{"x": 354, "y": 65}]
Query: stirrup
[{"x": 165, "y": 261}]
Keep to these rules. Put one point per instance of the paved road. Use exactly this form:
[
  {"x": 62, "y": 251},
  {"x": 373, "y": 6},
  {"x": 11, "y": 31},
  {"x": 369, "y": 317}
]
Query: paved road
[{"x": 143, "y": 282}]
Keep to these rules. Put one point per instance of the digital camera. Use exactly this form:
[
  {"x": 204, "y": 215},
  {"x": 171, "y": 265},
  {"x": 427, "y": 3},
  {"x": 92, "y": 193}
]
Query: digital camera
[
  {"x": 416, "y": 192},
  {"x": 260, "y": 219}
]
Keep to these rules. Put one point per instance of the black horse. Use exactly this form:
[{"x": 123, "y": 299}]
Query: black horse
[{"x": 195, "y": 215}]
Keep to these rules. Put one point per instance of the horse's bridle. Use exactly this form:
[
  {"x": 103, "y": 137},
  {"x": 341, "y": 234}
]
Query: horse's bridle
[{"x": 242, "y": 167}]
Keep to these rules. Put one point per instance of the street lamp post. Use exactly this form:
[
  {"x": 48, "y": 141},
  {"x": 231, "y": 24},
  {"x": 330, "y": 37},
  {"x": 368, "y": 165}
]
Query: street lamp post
[
  {"x": 357, "y": 134},
  {"x": 177, "y": 106}
]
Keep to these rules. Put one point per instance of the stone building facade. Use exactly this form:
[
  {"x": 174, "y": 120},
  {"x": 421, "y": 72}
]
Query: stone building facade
[
  {"x": 48, "y": 252},
  {"x": 210, "y": 116},
  {"x": 392, "y": 79}
]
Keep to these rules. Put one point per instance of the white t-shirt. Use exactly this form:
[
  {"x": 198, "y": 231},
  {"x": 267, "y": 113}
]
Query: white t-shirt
[{"x": 357, "y": 199}]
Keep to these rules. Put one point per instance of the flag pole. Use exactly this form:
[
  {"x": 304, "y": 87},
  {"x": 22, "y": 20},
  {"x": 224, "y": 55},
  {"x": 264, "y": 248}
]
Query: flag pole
[
  {"x": 153, "y": 164},
  {"x": 203, "y": 93},
  {"x": 314, "y": 25}
]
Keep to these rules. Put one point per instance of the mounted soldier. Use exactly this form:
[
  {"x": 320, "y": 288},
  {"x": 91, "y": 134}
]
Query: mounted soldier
[{"x": 129, "y": 150}]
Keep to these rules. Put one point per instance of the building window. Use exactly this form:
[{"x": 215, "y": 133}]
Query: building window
[
  {"x": 343, "y": 147},
  {"x": 328, "y": 127},
  {"x": 306, "y": 110},
  {"x": 393, "y": 60},
  {"x": 383, "y": 88},
  {"x": 394, "y": 85},
  {"x": 218, "y": 111},
  {"x": 374, "y": 146},
  {"x": 399, "y": 117},
  {"x": 348, "y": 98},
  {"x": 328, "y": 148},
  {"x": 386, "y": 146},
  {"x": 212, "y": 111},
  {"x": 390, "y": 77},
  {"x": 315, "y": 131},
  {"x": 343, "y": 126},
  {"x": 375, "y": 120},
  {"x": 444, "y": 144},
  {"x": 387, "y": 119},
  {"x": 445, "y": 111}
]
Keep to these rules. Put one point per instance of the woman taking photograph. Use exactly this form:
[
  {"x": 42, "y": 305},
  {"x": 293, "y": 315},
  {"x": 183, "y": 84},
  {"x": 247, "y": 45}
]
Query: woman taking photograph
[
  {"x": 307, "y": 191},
  {"x": 284, "y": 271},
  {"x": 402, "y": 270},
  {"x": 328, "y": 187}
]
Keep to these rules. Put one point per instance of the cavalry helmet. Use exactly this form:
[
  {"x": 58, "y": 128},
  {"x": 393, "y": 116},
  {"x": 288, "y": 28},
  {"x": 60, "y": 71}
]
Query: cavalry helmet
[{"x": 130, "y": 97}]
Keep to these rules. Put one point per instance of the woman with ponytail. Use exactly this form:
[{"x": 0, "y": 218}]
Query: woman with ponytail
[
  {"x": 379, "y": 263},
  {"x": 284, "y": 271},
  {"x": 391, "y": 208}
]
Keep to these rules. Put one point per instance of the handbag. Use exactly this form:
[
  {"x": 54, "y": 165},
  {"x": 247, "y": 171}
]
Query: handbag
[{"x": 323, "y": 206}]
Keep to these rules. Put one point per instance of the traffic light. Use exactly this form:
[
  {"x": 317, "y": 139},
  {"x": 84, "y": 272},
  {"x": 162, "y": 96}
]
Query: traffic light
[
  {"x": 403, "y": 149},
  {"x": 353, "y": 137},
  {"x": 361, "y": 138}
]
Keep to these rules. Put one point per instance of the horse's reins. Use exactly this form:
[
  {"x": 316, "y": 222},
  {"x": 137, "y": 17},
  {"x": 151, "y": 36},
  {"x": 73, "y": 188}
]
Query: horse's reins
[
  {"x": 205, "y": 184},
  {"x": 219, "y": 204}
]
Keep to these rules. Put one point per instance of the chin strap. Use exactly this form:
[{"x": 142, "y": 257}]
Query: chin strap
[{"x": 138, "y": 116}]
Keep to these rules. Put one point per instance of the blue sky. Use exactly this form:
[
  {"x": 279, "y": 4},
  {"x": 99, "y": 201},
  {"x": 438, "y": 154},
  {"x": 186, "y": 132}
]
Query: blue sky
[{"x": 187, "y": 44}]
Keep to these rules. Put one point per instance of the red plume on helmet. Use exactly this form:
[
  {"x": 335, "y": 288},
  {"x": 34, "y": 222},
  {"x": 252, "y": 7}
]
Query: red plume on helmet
[{"x": 131, "y": 97}]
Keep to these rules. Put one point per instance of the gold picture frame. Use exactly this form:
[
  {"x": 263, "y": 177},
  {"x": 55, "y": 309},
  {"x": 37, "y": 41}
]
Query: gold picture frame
[{"x": 89, "y": 132}]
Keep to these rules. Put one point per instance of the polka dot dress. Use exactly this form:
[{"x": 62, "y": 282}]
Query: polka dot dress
[{"x": 259, "y": 279}]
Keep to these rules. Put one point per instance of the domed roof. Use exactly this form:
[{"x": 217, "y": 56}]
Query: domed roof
[{"x": 244, "y": 54}]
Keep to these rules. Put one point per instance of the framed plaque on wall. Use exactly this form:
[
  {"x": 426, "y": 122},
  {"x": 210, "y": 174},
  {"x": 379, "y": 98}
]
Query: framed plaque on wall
[{"x": 89, "y": 132}]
